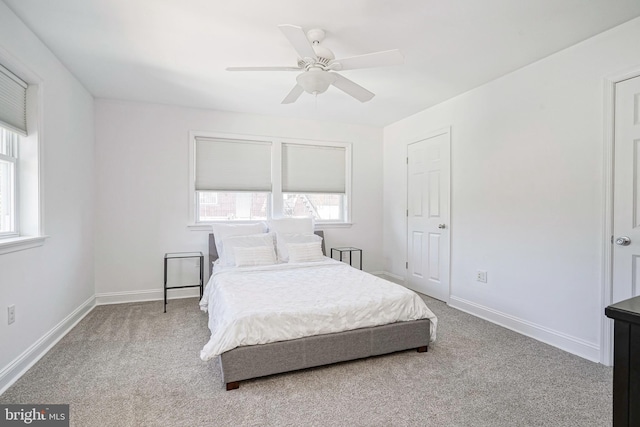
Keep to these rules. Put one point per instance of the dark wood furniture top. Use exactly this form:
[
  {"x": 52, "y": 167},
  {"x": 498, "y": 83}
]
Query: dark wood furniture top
[
  {"x": 626, "y": 362},
  {"x": 627, "y": 310}
]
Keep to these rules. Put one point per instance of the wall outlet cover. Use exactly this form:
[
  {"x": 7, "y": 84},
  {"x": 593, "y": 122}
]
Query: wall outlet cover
[
  {"x": 11, "y": 314},
  {"x": 481, "y": 276}
]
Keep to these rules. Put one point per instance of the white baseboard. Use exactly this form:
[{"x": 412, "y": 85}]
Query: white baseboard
[
  {"x": 21, "y": 364},
  {"x": 557, "y": 339},
  {"x": 146, "y": 295}
]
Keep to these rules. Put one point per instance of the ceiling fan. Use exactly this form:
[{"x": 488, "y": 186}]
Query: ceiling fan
[{"x": 319, "y": 65}]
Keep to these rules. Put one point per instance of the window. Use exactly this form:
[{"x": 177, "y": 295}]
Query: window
[
  {"x": 314, "y": 181},
  {"x": 323, "y": 207},
  {"x": 234, "y": 179},
  {"x": 229, "y": 206},
  {"x": 8, "y": 182},
  {"x": 20, "y": 186}
]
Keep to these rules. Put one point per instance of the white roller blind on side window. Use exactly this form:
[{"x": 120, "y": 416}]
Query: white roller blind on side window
[
  {"x": 313, "y": 169},
  {"x": 232, "y": 165},
  {"x": 13, "y": 102}
]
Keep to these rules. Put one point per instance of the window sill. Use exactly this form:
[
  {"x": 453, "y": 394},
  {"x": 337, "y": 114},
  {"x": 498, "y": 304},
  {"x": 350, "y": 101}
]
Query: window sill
[
  {"x": 199, "y": 227},
  {"x": 326, "y": 225},
  {"x": 15, "y": 244},
  {"x": 319, "y": 226}
]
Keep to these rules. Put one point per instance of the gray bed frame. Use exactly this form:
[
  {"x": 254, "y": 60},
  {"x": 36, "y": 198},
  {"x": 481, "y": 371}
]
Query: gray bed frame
[{"x": 243, "y": 363}]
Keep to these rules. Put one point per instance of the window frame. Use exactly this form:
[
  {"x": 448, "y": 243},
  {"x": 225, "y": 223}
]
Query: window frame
[
  {"x": 277, "y": 195},
  {"x": 30, "y": 231},
  {"x": 15, "y": 161}
]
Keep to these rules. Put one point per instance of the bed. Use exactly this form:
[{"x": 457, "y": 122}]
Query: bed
[{"x": 317, "y": 342}]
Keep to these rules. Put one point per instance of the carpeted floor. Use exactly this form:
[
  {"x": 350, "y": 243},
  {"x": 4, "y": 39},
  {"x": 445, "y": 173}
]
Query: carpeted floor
[{"x": 132, "y": 365}]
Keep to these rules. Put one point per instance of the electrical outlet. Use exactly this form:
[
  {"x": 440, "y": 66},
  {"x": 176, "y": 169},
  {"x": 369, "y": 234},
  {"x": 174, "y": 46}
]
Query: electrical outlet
[
  {"x": 481, "y": 276},
  {"x": 11, "y": 311}
]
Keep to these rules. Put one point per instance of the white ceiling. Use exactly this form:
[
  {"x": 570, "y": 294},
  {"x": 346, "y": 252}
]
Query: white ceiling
[{"x": 176, "y": 51}]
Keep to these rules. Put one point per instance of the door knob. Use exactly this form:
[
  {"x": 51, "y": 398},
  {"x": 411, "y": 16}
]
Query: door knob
[
  {"x": 623, "y": 241},
  {"x": 441, "y": 226}
]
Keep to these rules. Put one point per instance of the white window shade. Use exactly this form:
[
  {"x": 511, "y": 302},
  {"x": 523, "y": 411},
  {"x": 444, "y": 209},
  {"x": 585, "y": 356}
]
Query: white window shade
[
  {"x": 13, "y": 102},
  {"x": 313, "y": 169},
  {"x": 232, "y": 165}
]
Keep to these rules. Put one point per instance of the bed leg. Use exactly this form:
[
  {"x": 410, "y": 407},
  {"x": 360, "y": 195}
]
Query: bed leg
[
  {"x": 423, "y": 349},
  {"x": 234, "y": 385}
]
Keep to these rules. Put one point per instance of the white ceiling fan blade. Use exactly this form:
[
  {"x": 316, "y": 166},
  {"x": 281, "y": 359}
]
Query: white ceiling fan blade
[
  {"x": 376, "y": 59},
  {"x": 353, "y": 89},
  {"x": 298, "y": 40},
  {"x": 264, "y": 69},
  {"x": 293, "y": 95}
]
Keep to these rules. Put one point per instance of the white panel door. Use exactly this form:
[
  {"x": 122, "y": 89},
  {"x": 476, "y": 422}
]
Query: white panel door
[
  {"x": 626, "y": 192},
  {"x": 428, "y": 169}
]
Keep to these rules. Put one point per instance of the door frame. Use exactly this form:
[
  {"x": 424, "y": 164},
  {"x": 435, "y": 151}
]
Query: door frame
[
  {"x": 606, "y": 325},
  {"x": 427, "y": 135}
]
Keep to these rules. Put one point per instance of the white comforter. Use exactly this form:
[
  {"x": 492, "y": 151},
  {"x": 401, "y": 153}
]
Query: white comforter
[{"x": 259, "y": 305}]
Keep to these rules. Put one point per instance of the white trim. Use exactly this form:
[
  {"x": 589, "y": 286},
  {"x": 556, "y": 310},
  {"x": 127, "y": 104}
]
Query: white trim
[
  {"x": 199, "y": 227},
  {"x": 144, "y": 295},
  {"x": 577, "y": 346},
  {"x": 348, "y": 183},
  {"x": 328, "y": 225},
  {"x": 15, "y": 244},
  {"x": 39, "y": 106},
  {"x": 606, "y": 296},
  {"x": 21, "y": 364},
  {"x": 606, "y": 325},
  {"x": 318, "y": 225}
]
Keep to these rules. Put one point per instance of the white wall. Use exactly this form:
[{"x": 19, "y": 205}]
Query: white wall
[
  {"x": 527, "y": 191},
  {"x": 48, "y": 283},
  {"x": 142, "y": 188}
]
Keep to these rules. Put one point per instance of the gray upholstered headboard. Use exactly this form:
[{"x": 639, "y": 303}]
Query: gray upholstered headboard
[{"x": 213, "y": 252}]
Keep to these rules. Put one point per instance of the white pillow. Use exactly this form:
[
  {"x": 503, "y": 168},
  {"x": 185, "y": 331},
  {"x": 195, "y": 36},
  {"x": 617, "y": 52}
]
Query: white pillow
[
  {"x": 221, "y": 231},
  {"x": 305, "y": 252},
  {"x": 257, "y": 255},
  {"x": 230, "y": 244},
  {"x": 283, "y": 239},
  {"x": 292, "y": 225}
]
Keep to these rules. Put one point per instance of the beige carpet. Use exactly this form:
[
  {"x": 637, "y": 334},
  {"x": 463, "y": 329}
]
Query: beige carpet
[{"x": 132, "y": 365}]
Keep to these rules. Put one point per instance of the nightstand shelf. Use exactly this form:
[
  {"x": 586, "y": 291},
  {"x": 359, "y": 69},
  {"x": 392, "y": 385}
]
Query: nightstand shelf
[
  {"x": 182, "y": 255},
  {"x": 350, "y": 250}
]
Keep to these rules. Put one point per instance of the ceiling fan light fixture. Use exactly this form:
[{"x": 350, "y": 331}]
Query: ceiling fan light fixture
[
  {"x": 315, "y": 80},
  {"x": 320, "y": 66}
]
